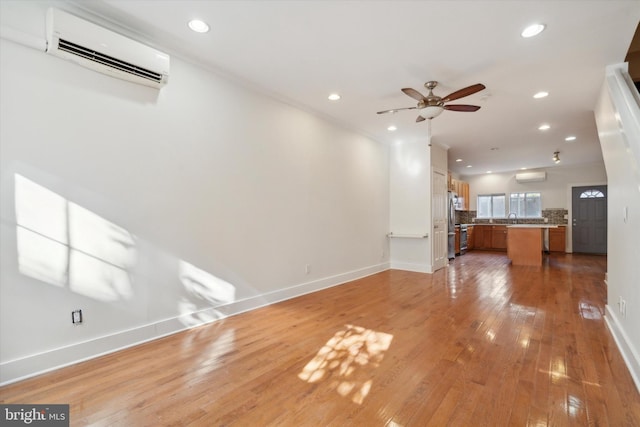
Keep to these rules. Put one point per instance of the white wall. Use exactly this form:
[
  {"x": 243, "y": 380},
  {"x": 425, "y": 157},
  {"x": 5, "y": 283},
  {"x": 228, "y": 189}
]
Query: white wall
[
  {"x": 553, "y": 190},
  {"x": 410, "y": 205},
  {"x": 618, "y": 119},
  {"x": 194, "y": 202}
]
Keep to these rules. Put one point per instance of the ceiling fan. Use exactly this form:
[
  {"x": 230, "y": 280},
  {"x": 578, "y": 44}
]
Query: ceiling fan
[{"x": 431, "y": 106}]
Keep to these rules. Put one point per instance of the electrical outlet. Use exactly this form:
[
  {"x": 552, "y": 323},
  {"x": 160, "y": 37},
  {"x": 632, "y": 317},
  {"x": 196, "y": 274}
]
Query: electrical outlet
[
  {"x": 76, "y": 317},
  {"x": 622, "y": 306},
  {"x": 625, "y": 214}
]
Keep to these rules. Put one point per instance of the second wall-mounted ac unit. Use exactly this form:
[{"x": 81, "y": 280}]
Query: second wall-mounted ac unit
[
  {"x": 103, "y": 50},
  {"x": 531, "y": 177}
]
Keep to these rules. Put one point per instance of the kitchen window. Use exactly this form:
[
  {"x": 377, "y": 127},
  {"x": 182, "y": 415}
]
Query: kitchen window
[
  {"x": 491, "y": 205},
  {"x": 526, "y": 205}
]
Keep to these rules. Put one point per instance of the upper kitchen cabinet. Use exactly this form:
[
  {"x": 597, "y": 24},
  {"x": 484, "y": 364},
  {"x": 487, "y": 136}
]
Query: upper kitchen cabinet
[{"x": 461, "y": 188}]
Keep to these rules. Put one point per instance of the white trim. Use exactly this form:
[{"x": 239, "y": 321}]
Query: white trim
[
  {"x": 407, "y": 266},
  {"x": 19, "y": 369},
  {"x": 629, "y": 353}
]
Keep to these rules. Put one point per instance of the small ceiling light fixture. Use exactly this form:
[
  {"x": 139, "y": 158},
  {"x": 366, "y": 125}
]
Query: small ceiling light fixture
[
  {"x": 392, "y": 128},
  {"x": 489, "y": 172},
  {"x": 532, "y": 30},
  {"x": 458, "y": 160},
  {"x": 570, "y": 138},
  {"x": 544, "y": 127},
  {"x": 198, "y": 26},
  {"x": 541, "y": 94},
  {"x": 469, "y": 166},
  {"x": 333, "y": 97},
  {"x": 556, "y": 157},
  {"x": 523, "y": 169}
]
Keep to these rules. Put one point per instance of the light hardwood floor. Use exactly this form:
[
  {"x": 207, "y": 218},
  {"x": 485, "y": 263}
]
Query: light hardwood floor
[{"x": 480, "y": 343}]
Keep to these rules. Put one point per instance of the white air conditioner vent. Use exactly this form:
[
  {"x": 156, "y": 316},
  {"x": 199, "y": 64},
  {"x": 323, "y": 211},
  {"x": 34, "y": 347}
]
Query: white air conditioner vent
[
  {"x": 102, "y": 50},
  {"x": 108, "y": 61},
  {"x": 531, "y": 177}
]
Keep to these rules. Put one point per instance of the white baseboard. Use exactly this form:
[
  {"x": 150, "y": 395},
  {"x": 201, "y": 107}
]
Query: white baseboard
[
  {"x": 418, "y": 268},
  {"x": 36, "y": 364},
  {"x": 629, "y": 353}
]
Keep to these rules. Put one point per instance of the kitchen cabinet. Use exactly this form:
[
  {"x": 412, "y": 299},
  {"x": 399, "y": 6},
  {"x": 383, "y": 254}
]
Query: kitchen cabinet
[
  {"x": 461, "y": 188},
  {"x": 457, "y": 240},
  {"x": 470, "y": 237},
  {"x": 478, "y": 237},
  {"x": 557, "y": 239},
  {"x": 464, "y": 194},
  {"x": 499, "y": 237},
  {"x": 490, "y": 237}
]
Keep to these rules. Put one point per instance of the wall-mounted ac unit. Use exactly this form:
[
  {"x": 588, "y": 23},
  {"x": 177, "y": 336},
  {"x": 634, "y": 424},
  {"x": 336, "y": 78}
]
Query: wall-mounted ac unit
[
  {"x": 531, "y": 177},
  {"x": 102, "y": 50}
]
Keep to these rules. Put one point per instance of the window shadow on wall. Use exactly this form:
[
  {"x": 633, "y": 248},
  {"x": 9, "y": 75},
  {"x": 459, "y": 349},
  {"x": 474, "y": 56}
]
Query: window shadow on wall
[
  {"x": 66, "y": 245},
  {"x": 202, "y": 288}
]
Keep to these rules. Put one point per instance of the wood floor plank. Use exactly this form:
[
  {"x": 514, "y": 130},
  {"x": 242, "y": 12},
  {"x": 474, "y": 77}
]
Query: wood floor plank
[{"x": 480, "y": 343}]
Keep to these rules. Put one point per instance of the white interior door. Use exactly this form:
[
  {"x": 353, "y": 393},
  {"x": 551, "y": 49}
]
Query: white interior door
[{"x": 439, "y": 218}]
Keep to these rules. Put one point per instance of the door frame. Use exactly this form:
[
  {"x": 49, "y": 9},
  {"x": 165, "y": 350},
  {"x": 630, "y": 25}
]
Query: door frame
[
  {"x": 435, "y": 263},
  {"x": 569, "y": 241}
]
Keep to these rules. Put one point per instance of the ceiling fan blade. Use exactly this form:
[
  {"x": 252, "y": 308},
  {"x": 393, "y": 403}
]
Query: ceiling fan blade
[
  {"x": 420, "y": 119},
  {"x": 461, "y": 107},
  {"x": 464, "y": 92},
  {"x": 393, "y": 110},
  {"x": 413, "y": 93}
]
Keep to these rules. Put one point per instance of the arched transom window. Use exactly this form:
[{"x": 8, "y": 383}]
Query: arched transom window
[{"x": 591, "y": 194}]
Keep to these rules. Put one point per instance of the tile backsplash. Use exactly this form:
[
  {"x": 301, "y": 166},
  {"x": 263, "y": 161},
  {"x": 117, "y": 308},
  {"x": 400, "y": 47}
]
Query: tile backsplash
[{"x": 554, "y": 216}]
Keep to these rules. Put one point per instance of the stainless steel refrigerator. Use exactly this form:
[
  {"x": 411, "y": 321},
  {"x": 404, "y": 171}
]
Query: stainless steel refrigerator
[{"x": 451, "y": 225}]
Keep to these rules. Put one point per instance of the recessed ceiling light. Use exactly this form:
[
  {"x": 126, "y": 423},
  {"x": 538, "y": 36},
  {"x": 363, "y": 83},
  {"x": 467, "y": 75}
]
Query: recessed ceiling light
[
  {"x": 570, "y": 138},
  {"x": 469, "y": 166},
  {"x": 392, "y": 128},
  {"x": 458, "y": 160},
  {"x": 198, "y": 26},
  {"x": 532, "y": 30},
  {"x": 541, "y": 94},
  {"x": 489, "y": 172},
  {"x": 544, "y": 127},
  {"x": 334, "y": 97},
  {"x": 523, "y": 169}
]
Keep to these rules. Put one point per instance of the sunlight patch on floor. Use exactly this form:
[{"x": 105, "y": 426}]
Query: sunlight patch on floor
[{"x": 347, "y": 360}]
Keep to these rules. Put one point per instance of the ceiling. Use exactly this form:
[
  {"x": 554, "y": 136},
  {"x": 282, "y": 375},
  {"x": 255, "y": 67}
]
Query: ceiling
[{"x": 301, "y": 51}]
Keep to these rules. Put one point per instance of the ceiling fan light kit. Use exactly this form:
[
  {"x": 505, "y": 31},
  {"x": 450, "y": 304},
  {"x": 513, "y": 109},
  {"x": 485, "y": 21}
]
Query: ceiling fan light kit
[
  {"x": 430, "y": 112},
  {"x": 432, "y": 106}
]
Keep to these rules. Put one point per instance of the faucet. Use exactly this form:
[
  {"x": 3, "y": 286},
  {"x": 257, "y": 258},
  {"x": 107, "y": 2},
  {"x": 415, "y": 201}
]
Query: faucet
[{"x": 515, "y": 215}]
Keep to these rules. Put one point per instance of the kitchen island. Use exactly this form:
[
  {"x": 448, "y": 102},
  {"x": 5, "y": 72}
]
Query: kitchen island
[{"x": 525, "y": 243}]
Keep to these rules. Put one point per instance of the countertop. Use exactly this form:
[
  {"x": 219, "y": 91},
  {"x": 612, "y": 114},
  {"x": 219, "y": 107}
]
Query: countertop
[
  {"x": 515, "y": 225},
  {"x": 531, "y": 226}
]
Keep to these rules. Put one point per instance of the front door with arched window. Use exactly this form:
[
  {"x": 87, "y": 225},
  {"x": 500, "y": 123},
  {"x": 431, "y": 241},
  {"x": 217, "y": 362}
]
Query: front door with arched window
[{"x": 589, "y": 222}]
